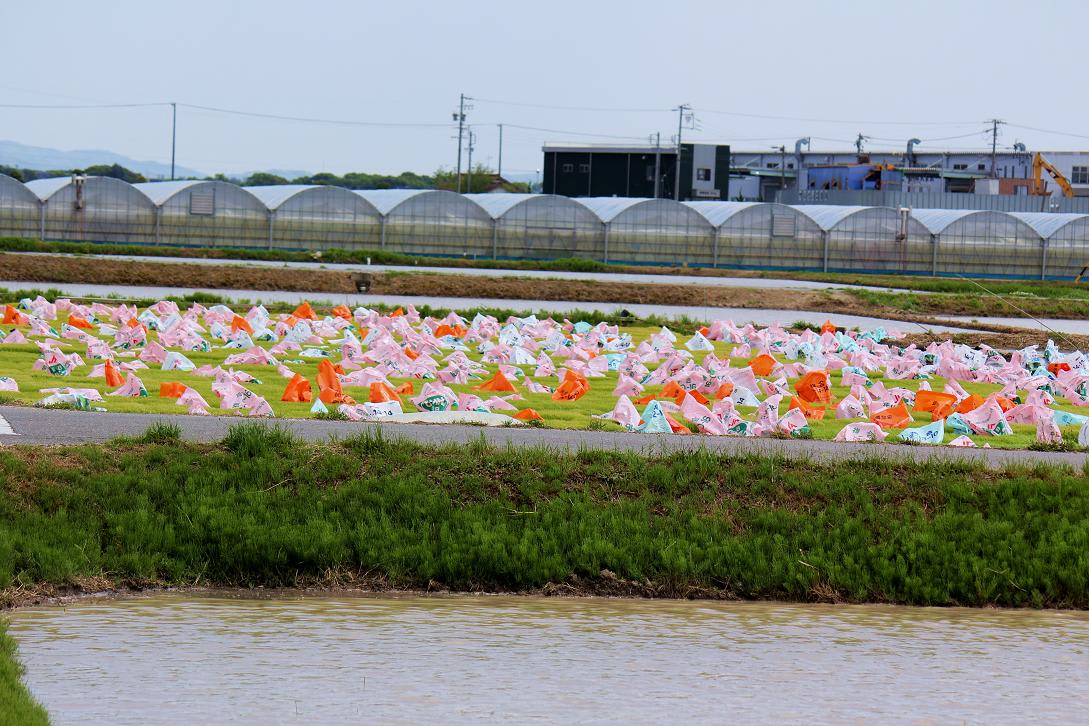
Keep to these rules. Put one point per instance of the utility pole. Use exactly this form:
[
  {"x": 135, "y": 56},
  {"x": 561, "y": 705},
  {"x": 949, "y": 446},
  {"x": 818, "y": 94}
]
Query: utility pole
[
  {"x": 499, "y": 172},
  {"x": 994, "y": 145},
  {"x": 681, "y": 110},
  {"x": 858, "y": 142},
  {"x": 657, "y": 163},
  {"x": 459, "y": 116},
  {"x": 472, "y": 140},
  {"x": 782, "y": 168},
  {"x": 173, "y": 137}
]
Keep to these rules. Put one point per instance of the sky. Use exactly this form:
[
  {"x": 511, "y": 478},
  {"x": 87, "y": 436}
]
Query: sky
[{"x": 755, "y": 74}]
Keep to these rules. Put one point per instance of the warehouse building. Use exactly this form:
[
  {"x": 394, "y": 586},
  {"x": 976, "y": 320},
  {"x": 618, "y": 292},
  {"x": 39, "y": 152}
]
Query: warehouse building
[{"x": 645, "y": 171}]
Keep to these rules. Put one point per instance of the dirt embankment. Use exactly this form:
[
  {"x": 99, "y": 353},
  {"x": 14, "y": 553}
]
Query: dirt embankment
[{"x": 47, "y": 268}]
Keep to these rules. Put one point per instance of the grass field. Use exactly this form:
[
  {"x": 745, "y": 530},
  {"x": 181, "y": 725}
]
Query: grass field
[
  {"x": 17, "y": 708},
  {"x": 16, "y": 362},
  {"x": 260, "y": 508}
]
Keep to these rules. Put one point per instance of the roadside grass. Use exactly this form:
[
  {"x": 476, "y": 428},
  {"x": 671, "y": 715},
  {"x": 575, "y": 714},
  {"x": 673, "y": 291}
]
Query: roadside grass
[
  {"x": 264, "y": 509},
  {"x": 17, "y": 707},
  {"x": 16, "y": 362}
]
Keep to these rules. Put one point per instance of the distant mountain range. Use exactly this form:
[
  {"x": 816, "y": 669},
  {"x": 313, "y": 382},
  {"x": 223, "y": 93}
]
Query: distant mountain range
[{"x": 12, "y": 153}]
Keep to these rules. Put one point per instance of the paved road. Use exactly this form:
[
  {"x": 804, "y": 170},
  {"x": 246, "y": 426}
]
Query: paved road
[
  {"x": 757, "y": 282},
  {"x": 44, "y": 426}
]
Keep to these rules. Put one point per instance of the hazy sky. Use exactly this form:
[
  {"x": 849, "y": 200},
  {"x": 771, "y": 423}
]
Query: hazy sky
[{"x": 828, "y": 69}]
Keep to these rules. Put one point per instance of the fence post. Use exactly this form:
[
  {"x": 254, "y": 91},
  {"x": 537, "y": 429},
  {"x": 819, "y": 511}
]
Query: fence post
[
  {"x": 933, "y": 255},
  {"x": 824, "y": 234}
]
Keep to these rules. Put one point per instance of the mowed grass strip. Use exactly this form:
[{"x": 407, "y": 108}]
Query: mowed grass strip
[{"x": 263, "y": 509}]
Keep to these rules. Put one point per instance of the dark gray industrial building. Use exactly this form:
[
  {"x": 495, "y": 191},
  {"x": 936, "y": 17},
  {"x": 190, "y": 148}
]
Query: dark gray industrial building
[{"x": 601, "y": 170}]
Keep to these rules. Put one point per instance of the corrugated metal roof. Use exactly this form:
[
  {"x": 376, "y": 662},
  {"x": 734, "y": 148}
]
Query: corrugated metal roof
[
  {"x": 717, "y": 213},
  {"x": 1046, "y": 224},
  {"x": 45, "y": 188}
]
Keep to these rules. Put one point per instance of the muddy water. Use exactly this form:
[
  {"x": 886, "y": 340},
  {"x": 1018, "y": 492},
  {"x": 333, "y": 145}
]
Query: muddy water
[
  {"x": 739, "y": 315},
  {"x": 176, "y": 659}
]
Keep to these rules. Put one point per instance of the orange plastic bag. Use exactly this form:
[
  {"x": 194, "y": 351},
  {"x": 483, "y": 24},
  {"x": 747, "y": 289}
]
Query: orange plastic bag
[
  {"x": 113, "y": 376},
  {"x": 342, "y": 311},
  {"x": 405, "y": 389},
  {"x": 172, "y": 389},
  {"x": 528, "y": 414},
  {"x": 762, "y": 364},
  {"x": 14, "y": 317},
  {"x": 329, "y": 390},
  {"x": 672, "y": 390},
  {"x": 724, "y": 391},
  {"x": 971, "y": 403},
  {"x": 645, "y": 399},
  {"x": 298, "y": 390},
  {"x": 443, "y": 330},
  {"x": 828, "y": 327},
  {"x": 813, "y": 387},
  {"x": 698, "y": 396},
  {"x": 412, "y": 355},
  {"x": 381, "y": 393},
  {"x": 240, "y": 323},
  {"x": 933, "y": 402},
  {"x": 573, "y": 387},
  {"x": 305, "y": 312},
  {"x": 675, "y": 427},
  {"x": 78, "y": 322},
  {"x": 1004, "y": 403},
  {"x": 896, "y": 417},
  {"x": 497, "y": 383},
  {"x": 397, "y": 313},
  {"x": 812, "y": 413}
]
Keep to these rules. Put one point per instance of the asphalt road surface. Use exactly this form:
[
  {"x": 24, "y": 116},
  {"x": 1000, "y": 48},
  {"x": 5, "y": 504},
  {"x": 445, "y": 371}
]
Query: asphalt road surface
[{"x": 25, "y": 425}]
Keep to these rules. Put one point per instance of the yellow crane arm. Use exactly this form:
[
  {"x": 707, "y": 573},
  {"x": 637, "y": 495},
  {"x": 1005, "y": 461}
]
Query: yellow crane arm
[{"x": 1039, "y": 164}]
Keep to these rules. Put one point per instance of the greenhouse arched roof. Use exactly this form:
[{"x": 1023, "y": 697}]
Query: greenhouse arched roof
[
  {"x": 827, "y": 216},
  {"x": 718, "y": 213},
  {"x": 937, "y": 221},
  {"x": 162, "y": 192},
  {"x": 17, "y": 190},
  {"x": 1047, "y": 224},
  {"x": 276, "y": 196}
]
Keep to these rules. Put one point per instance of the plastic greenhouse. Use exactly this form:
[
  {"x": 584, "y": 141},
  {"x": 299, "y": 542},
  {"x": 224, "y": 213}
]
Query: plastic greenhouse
[
  {"x": 212, "y": 213},
  {"x": 319, "y": 217},
  {"x": 20, "y": 209},
  {"x": 652, "y": 231},
  {"x": 541, "y": 226},
  {"x": 1065, "y": 237},
  {"x": 94, "y": 209},
  {"x": 431, "y": 222},
  {"x": 752, "y": 234},
  {"x": 871, "y": 239},
  {"x": 974, "y": 242}
]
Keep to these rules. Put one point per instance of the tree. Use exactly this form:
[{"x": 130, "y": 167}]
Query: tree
[
  {"x": 482, "y": 180},
  {"x": 115, "y": 171},
  {"x": 264, "y": 179}
]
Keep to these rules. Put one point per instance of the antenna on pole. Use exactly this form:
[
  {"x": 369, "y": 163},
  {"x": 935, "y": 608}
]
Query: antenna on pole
[
  {"x": 472, "y": 144},
  {"x": 995, "y": 122}
]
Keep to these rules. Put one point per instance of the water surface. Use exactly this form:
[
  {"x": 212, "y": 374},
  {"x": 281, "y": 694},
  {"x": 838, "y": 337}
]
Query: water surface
[{"x": 173, "y": 659}]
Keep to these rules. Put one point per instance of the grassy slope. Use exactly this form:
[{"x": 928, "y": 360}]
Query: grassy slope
[
  {"x": 263, "y": 509},
  {"x": 17, "y": 708},
  {"x": 16, "y": 361}
]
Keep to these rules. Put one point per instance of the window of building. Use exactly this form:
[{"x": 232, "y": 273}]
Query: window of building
[
  {"x": 650, "y": 173},
  {"x": 568, "y": 168},
  {"x": 1079, "y": 175},
  {"x": 703, "y": 174},
  {"x": 773, "y": 165},
  {"x": 584, "y": 168},
  {"x": 959, "y": 167},
  {"x": 981, "y": 167}
]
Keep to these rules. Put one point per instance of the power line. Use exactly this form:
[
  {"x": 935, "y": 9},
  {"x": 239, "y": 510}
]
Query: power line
[
  {"x": 83, "y": 105},
  {"x": 305, "y": 119},
  {"x": 571, "y": 133},
  {"x": 573, "y": 108},
  {"x": 1048, "y": 131}
]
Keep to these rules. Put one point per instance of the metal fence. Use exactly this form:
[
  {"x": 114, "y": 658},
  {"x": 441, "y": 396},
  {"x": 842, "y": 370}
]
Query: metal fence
[{"x": 828, "y": 237}]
